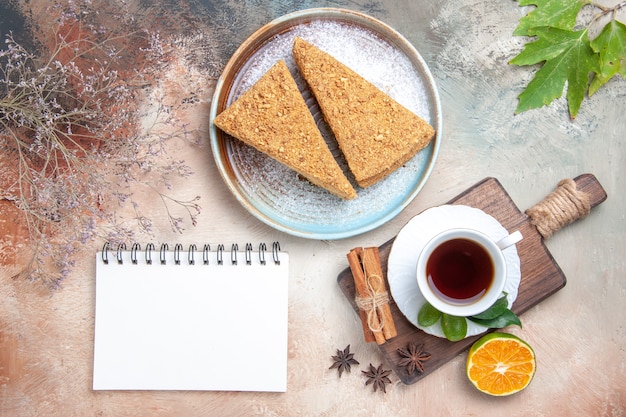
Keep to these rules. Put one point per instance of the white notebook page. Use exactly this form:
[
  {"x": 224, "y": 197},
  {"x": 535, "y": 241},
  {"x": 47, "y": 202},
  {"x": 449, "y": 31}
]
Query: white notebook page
[{"x": 191, "y": 327}]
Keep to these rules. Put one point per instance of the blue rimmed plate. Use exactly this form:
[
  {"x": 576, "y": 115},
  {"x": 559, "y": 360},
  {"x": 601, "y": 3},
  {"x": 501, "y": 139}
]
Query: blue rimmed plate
[{"x": 277, "y": 195}]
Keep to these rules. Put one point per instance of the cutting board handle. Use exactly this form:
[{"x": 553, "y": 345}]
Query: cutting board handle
[{"x": 571, "y": 200}]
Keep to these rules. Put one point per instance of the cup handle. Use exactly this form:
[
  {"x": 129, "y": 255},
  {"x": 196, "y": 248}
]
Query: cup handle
[{"x": 509, "y": 240}]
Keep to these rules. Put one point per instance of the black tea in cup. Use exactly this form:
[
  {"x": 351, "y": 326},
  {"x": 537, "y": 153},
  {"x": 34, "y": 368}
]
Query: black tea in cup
[{"x": 460, "y": 270}]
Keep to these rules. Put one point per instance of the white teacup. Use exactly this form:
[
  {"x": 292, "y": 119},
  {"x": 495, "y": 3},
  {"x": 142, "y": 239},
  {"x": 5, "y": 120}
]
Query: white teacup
[{"x": 462, "y": 272}]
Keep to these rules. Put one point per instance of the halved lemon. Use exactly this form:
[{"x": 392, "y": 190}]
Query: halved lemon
[{"x": 500, "y": 364}]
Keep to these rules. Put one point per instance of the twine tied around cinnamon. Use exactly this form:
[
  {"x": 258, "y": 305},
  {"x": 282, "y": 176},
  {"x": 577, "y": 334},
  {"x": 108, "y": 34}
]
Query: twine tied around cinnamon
[
  {"x": 561, "y": 207},
  {"x": 371, "y": 296},
  {"x": 371, "y": 302}
]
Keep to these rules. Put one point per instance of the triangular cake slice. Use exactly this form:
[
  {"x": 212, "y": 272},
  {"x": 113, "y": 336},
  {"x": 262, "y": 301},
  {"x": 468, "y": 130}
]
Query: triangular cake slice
[
  {"x": 376, "y": 134},
  {"x": 273, "y": 117}
]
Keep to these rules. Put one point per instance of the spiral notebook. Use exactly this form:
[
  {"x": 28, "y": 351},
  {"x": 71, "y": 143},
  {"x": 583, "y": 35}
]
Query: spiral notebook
[{"x": 187, "y": 319}]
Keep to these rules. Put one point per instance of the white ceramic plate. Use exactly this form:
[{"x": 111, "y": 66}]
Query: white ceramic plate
[
  {"x": 416, "y": 233},
  {"x": 277, "y": 195}
]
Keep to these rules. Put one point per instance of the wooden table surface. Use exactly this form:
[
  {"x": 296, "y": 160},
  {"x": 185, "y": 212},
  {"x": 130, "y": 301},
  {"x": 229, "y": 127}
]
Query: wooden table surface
[{"x": 578, "y": 333}]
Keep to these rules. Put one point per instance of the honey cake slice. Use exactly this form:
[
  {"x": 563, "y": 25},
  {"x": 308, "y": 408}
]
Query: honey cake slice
[
  {"x": 376, "y": 134},
  {"x": 273, "y": 117}
]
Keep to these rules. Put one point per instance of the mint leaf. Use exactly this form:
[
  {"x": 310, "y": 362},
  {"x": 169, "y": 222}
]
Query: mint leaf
[
  {"x": 499, "y": 307},
  {"x": 555, "y": 13},
  {"x": 505, "y": 319},
  {"x": 454, "y": 327},
  {"x": 611, "y": 46},
  {"x": 567, "y": 56},
  {"x": 428, "y": 315}
]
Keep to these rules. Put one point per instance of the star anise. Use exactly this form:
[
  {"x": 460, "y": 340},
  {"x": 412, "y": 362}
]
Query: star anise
[
  {"x": 378, "y": 377},
  {"x": 344, "y": 360},
  {"x": 413, "y": 357}
]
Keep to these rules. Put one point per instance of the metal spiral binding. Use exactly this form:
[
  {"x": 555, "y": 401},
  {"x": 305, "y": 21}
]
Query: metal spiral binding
[
  {"x": 190, "y": 255},
  {"x": 105, "y": 253},
  {"x": 133, "y": 253},
  {"x": 248, "y": 253},
  {"x": 164, "y": 248},
  {"x": 120, "y": 248},
  {"x": 233, "y": 253},
  {"x": 275, "y": 250},
  {"x": 220, "y": 253},
  {"x": 136, "y": 247},
  {"x": 149, "y": 249},
  {"x": 177, "y": 248},
  {"x": 205, "y": 254},
  {"x": 262, "y": 249}
]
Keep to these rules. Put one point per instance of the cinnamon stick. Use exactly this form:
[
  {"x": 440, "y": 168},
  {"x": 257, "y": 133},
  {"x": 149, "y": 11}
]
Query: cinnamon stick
[
  {"x": 371, "y": 295},
  {"x": 373, "y": 268},
  {"x": 354, "y": 260}
]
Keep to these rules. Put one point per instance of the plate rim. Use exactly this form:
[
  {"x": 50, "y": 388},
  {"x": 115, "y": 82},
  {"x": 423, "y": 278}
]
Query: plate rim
[{"x": 260, "y": 37}]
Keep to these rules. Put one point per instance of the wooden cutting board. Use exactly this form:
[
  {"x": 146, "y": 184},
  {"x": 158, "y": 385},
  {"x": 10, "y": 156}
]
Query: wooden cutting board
[{"x": 541, "y": 275}]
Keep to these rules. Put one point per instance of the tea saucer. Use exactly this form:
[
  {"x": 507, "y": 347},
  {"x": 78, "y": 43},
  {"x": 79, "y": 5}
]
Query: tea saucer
[{"x": 416, "y": 233}]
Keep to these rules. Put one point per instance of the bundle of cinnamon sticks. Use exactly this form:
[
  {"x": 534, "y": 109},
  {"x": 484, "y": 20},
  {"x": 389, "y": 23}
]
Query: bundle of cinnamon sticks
[{"x": 371, "y": 297}]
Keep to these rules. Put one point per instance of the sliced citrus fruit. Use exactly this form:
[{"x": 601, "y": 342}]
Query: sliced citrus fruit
[{"x": 500, "y": 364}]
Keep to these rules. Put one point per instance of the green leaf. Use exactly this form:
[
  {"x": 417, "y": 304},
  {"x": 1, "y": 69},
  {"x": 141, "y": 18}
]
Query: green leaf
[
  {"x": 555, "y": 13},
  {"x": 611, "y": 46},
  {"x": 428, "y": 315},
  {"x": 454, "y": 327},
  {"x": 505, "y": 319},
  {"x": 499, "y": 307},
  {"x": 567, "y": 56}
]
